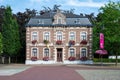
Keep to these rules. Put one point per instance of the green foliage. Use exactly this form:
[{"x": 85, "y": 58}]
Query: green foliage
[
  {"x": 104, "y": 60},
  {"x": 11, "y": 42},
  {"x": 46, "y": 41},
  {"x": 109, "y": 19},
  {"x": 1, "y": 44}
]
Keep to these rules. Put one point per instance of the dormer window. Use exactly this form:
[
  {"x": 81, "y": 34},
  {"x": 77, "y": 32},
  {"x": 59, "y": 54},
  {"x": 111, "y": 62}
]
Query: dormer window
[
  {"x": 59, "y": 21},
  {"x": 77, "y": 21},
  {"x": 59, "y": 18},
  {"x": 40, "y": 21}
]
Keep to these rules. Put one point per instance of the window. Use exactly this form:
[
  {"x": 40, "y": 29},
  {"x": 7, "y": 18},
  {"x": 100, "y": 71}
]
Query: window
[
  {"x": 34, "y": 36},
  {"x": 72, "y": 35},
  {"x": 46, "y": 52},
  {"x": 46, "y": 36},
  {"x": 77, "y": 21},
  {"x": 40, "y": 21},
  {"x": 83, "y": 36},
  {"x": 83, "y": 52},
  {"x": 72, "y": 52},
  {"x": 34, "y": 52},
  {"x": 59, "y": 35},
  {"x": 59, "y": 20}
]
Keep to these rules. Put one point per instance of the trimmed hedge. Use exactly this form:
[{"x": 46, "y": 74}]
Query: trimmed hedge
[{"x": 105, "y": 60}]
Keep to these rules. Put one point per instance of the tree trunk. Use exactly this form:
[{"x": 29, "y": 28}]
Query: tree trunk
[
  {"x": 9, "y": 59},
  {"x": 116, "y": 59},
  {"x": 3, "y": 60}
]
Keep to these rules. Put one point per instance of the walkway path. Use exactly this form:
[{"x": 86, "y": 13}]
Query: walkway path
[
  {"x": 59, "y": 72},
  {"x": 45, "y": 73}
]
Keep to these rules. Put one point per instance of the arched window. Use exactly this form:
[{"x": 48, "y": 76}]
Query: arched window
[
  {"x": 72, "y": 35},
  {"x": 46, "y": 36},
  {"x": 59, "y": 35},
  {"x": 46, "y": 52},
  {"x": 72, "y": 52},
  {"x": 34, "y": 52},
  {"x": 83, "y": 36},
  {"x": 34, "y": 35},
  {"x": 83, "y": 52}
]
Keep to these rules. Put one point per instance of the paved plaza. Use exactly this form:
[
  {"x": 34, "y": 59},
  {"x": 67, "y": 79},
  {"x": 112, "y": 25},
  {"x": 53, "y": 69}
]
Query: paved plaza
[{"x": 58, "y": 72}]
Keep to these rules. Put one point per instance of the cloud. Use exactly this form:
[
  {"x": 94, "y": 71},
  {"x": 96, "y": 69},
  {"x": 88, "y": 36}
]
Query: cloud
[{"x": 88, "y": 3}]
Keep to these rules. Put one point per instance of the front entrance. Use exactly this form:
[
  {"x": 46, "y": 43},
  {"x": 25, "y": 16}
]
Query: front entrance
[{"x": 59, "y": 54}]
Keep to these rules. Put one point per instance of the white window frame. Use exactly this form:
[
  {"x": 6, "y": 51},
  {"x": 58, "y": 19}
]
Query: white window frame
[
  {"x": 74, "y": 36},
  {"x": 81, "y": 34},
  {"x": 59, "y": 20},
  {"x": 74, "y": 52},
  {"x": 81, "y": 52},
  {"x": 33, "y": 34},
  {"x": 57, "y": 35},
  {"x": 77, "y": 21},
  {"x": 40, "y": 21},
  {"x": 44, "y": 35},
  {"x": 36, "y": 53},
  {"x": 44, "y": 51}
]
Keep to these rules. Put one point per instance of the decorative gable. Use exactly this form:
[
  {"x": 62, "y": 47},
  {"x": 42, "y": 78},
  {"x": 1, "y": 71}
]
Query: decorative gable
[{"x": 59, "y": 18}]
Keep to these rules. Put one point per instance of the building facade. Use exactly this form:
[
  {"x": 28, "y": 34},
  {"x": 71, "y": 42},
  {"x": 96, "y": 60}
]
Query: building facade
[{"x": 58, "y": 37}]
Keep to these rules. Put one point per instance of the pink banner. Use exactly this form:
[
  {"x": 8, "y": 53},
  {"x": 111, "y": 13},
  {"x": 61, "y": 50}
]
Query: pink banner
[{"x": 101, "y": 41}]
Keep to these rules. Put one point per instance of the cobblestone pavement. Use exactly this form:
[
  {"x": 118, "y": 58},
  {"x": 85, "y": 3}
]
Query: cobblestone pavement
[{"x": 58, "y": 72}]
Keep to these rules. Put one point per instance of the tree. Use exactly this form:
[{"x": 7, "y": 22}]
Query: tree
[
  {"x": 2, "y": 10},
  {"x": 109, "y": 19},
  {"x": 1, "y": 45},
  {"x": 22, "y": 19},
  {"x": 11, "y": 42}
]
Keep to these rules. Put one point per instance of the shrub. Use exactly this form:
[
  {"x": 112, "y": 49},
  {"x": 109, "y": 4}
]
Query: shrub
[
  {"x": 83, "y": 42},
  {"x": 72, "y": 42},
  {"x": 83, "y": 58},
  {"x": 46, "y": 58},
  {"x": 34, "y": 41},
  {"x": 34, "y": 58},
  {"x": 58, "y": 42},
  {"x": 71, "y": 58},
  {"x": 105, "y": 60},
  {"x": 46, "y": 41}
]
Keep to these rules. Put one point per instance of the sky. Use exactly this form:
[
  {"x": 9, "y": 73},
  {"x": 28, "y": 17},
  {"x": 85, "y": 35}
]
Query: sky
[{"x": 80, "y": 6}]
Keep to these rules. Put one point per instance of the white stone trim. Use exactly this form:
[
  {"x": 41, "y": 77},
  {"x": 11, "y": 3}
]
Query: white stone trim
[
  {"x": 33, "y": 27},
  {"x": 78, "y": 62},
  {"x": 29, "y": 62},
  {"x": 27, "y": 36},
  {"x": 27, "y": 33},
  {"x": 63, "y": 54},
  {"x": 55, "y": 57}
]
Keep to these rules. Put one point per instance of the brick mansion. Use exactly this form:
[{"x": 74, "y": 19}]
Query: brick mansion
[{"x": 59, "y": 37}]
